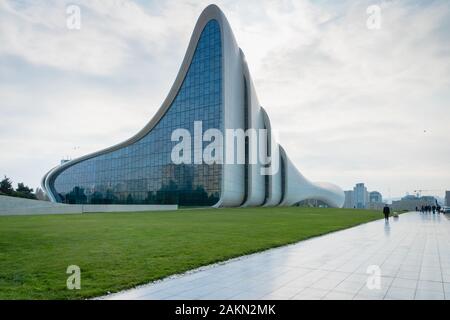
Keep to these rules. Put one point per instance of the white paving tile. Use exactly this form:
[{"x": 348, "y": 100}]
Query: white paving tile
[
  {"x": 349, "y": 286},
  {"x": 412, "y": 275},
  {"x": 335, "y": 295},
  {"x": 430, "y": 286},
  {"x": 400, "y": 294},
  {"x": 364, "y": 297},
  {"x": 412, "y": 254},
  {"x": 284, "y": 293},
  {"x": 311, "y": 294},
  {"x": 375, "y": 292},
  {"x": 447, "y": 288},
  {"x": 429, "y": 295},
  {"x": 404, "y": 283}
]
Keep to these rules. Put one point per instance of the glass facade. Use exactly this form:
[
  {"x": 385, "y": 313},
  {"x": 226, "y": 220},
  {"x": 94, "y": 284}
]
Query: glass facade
[{"x": 143, "y": 173}]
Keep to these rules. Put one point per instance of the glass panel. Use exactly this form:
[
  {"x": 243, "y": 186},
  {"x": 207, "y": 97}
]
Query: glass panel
[{"x": 143, "y": 172}]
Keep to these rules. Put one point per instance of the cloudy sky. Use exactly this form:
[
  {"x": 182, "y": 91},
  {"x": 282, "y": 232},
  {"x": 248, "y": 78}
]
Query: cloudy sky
[{"x": 351, "y": 103}]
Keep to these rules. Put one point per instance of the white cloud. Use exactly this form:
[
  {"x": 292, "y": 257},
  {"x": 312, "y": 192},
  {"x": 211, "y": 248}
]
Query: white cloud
[
  {"x": 110, "y": 34},
  {"x": 362, "y": 98},
  {"x": 352, "y": 104}
]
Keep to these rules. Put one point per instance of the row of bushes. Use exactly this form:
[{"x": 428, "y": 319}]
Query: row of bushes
[{"x": 22, "y": 191}]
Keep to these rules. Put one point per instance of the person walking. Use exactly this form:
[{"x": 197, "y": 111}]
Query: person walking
[{"x": 386, "y": 212}]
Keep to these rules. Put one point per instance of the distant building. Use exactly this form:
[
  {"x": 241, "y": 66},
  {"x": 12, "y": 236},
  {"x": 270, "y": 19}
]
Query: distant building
[
  {"x": 360, "y": 198},
  {"x": 375, "y": 206},
  {"x": 375, "y": 201},
  {"x": 410, "y": 202},
  {"x": 447, "y": 198},
  {"x": 375, "y": 197},
  {"x": 349, "y": 202}
]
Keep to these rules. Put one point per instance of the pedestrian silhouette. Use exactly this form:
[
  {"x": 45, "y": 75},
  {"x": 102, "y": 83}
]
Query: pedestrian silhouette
[{"x": 387, "y": 212}]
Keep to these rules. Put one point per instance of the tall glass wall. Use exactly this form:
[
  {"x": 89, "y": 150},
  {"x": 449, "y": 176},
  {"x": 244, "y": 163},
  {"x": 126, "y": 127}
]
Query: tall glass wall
[{"x": 143, "y": 172}]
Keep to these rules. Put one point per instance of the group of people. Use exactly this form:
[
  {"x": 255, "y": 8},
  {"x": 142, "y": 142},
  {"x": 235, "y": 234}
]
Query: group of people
[
  {"x": 424, "y": 209},
  {"x": 429, "y": 209}
]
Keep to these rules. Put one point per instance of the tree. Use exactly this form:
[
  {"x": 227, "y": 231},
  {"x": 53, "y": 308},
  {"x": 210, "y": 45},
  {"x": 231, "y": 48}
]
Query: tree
[
  {"x": 24, "y": 191},
  {"x": 6, "y": 186},
  {"x": 21, "y": 187}
]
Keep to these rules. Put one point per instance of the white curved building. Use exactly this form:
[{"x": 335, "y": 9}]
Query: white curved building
[{"x": 213, "y": 87}]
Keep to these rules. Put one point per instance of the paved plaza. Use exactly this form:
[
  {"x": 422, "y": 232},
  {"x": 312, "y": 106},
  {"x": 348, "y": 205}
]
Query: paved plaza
[{"x": 412, "y": 253}]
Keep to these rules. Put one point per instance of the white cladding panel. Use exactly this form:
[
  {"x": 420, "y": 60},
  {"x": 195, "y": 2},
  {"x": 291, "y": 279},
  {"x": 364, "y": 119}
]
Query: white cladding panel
[{"x": 298, "y": 188}]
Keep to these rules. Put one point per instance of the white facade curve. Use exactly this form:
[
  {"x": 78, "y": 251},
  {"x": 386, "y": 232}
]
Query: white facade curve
[{"x": 239, "y": 184}]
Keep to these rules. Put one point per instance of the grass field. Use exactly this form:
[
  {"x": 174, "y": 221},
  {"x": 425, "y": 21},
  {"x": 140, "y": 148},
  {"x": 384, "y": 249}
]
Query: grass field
[{"x": 119, "y": 251}]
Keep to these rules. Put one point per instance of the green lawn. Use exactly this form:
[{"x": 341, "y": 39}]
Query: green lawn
[{"x": 119, "y": 251}]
